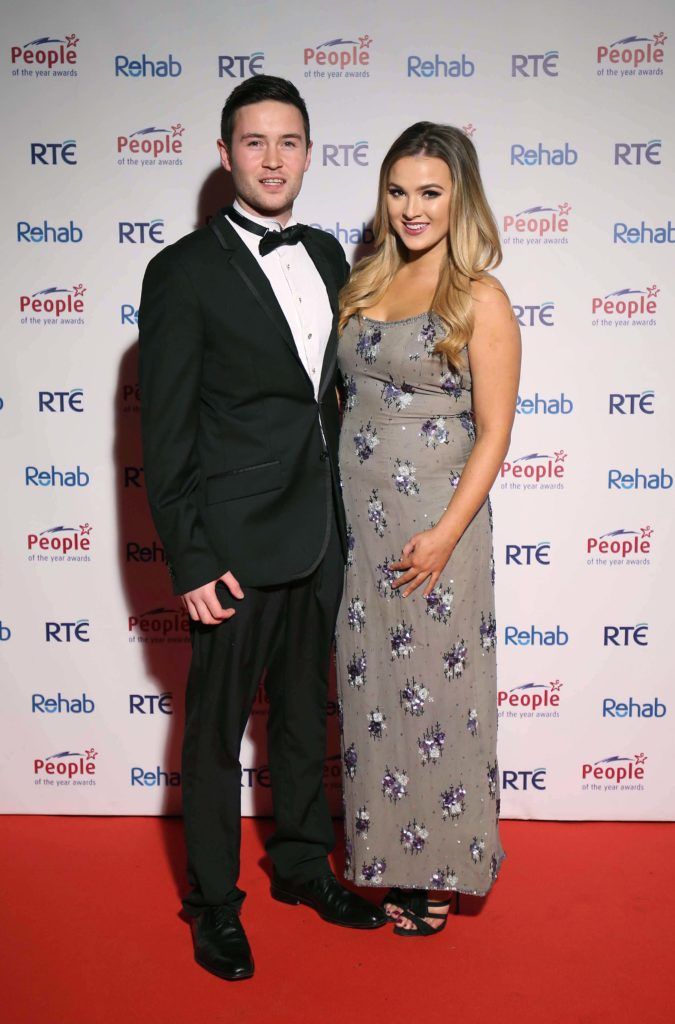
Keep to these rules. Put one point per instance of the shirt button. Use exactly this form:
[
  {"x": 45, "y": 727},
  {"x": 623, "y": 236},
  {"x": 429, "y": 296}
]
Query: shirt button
[{"x": 309, "y": 335}]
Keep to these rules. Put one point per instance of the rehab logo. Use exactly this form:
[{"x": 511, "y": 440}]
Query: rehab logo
[
  {"x": 632, "y": 56},
  {"x": 532, "y": 636},
  {"x": 348, "y": 235},
  {"x": 633, "y": 708},
  {"x": 146, "y": 67},
  {"x": 138, "y": 552},
  {"x": 151, "y": 147},
  {"x": 128, "y": 314},
  {"x": 535, "y": 472},
  {"x": 46, "y": 57},
  {"x": 620, "y": 547},
  {"x": 539, "y": 155},
  {"x": 615, "y": 772},
  {"x": 627, "y": 307},
  {"x": 342, "y": 58},
  {"x": 530, "y": 700},
  {"x": 41, "y": 704},
  {"x": 159, "y": 626},
  {"x": 67, "y": 768},
  {"x": 538, "y": 225},
  {"x": 60, "y": 544},
  {"x": 45, "y": 233},
  {"x": 440, "y": 67},
  {"x": 643, "y": 233},
  {"x": 639, "y": 480},
  {"x": 152, "y": 777},
  {"x": 53, "y": 306},
  {"x": 53, "y": 477},
  {"x": 541, "y": 405}
]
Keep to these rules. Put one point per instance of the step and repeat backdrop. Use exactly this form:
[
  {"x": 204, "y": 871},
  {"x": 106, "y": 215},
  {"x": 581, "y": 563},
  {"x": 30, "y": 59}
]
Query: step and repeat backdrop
[{"x": 109, "y": 126}]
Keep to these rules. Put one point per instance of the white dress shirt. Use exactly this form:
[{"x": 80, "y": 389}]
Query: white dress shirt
[{"x": 299, "y": 290}]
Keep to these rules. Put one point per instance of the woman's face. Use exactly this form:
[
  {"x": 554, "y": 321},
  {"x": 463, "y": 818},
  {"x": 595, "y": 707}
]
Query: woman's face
[{"x": 418, "y": 202}]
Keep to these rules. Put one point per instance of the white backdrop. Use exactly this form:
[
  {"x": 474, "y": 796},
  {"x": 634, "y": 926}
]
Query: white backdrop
[{"x": 109, "y": 126}]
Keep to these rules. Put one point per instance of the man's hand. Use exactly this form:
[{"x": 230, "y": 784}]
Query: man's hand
[{"x": 202, "y": 604}]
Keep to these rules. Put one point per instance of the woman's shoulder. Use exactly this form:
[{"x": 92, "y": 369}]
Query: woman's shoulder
[
  {"x": 492, "y": 310},
  {"x": 490, "y": 299},
  {"x": 488, "y": 288}
]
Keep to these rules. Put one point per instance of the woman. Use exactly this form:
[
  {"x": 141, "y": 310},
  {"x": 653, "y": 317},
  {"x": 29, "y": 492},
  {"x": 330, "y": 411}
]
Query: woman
[{"x": 429, "y": 355}]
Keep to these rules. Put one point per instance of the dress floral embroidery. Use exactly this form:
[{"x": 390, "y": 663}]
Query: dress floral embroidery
[
  {"x": 362, "y": 823},
  {"x": 401, "y": 640},
  {"x": 395, "y": 397},
  {"x": 439, "y": 604},
  {"x": 413, "y": 837},
  {"x": 376, "y": 514},
  {"x": 368, "y": 344},
  {"x": 356, "y": 614},
  {"x": 404, "y": 478},
  {"x": 431, "y": 744},
  {"x": 365, "y": 441},
  {"x": 455, "y": 660},
  {"x": 414, "y": 698}
]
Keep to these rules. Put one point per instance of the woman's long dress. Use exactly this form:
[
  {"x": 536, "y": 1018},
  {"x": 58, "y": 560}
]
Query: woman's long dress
[{"x": 416, "y": 675}]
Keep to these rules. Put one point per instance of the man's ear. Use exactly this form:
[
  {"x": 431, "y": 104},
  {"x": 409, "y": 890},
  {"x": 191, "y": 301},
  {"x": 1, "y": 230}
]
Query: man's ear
[
  {"x": 308, "y": 159},
  {"x": 224, "y": 155}
]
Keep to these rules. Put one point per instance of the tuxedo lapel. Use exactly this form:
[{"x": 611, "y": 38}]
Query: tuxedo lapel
[
  {"x": 322, "y": 265},
  {"x": 255, "y": 280}
]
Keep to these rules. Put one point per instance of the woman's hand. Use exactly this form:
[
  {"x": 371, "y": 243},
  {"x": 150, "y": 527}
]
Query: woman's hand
[{"x": 425, "y": 556}]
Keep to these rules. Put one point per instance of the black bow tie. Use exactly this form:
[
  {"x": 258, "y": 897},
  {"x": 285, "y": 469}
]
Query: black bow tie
[{"x": 269, "y": 240}]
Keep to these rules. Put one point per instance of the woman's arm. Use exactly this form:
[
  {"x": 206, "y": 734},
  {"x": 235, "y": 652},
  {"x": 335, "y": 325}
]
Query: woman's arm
[{"x": 494, "y": 360}]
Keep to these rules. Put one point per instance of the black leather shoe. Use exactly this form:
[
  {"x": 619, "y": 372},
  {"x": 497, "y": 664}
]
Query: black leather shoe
[
  {"x": 221, "y": 946},
  {"x": 331, "y": 901}
]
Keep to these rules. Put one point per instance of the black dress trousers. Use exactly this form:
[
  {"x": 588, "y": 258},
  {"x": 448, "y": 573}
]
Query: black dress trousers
[{"x": 287, "y": 630}]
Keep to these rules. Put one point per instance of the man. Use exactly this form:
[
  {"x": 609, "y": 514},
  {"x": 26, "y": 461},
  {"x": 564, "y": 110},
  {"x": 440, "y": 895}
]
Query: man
[{"x": 240, "y": 423}]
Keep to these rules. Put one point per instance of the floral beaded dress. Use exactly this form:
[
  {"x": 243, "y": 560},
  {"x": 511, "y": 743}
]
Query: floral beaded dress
[{"x": 416, "y": 675}]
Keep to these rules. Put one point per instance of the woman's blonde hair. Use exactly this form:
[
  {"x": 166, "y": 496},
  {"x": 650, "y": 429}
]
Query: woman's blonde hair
[{"x": 473, "y": 238}]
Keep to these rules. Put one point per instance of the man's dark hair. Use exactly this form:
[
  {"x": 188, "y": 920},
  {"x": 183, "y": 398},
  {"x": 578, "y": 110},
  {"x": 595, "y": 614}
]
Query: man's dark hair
[{"x": 255, "y": 90}]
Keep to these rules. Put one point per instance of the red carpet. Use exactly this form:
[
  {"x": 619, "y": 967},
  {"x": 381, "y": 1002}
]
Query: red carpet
[{"x": 580, "y": 928}]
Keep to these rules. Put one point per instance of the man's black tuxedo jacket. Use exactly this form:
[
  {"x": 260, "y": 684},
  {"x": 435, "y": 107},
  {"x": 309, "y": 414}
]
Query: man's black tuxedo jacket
[{"x": 238, "y": 475}]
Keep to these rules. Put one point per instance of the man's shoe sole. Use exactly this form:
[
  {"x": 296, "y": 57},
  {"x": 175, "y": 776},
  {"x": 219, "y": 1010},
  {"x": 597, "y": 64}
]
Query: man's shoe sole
[
  {"x": 223, "y": 974},
  {"x": 293, "y": 900}
]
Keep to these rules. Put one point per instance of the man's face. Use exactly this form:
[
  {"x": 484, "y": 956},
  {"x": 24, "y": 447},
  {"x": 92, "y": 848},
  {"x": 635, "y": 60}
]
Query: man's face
[{"x": 267, "y": 158}]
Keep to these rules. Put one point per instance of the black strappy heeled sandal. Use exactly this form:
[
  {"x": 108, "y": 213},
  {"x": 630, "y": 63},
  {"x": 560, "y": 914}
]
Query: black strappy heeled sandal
[
  {"x": 399, "y": 898},
  {"x": 417, "y": 908}
]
